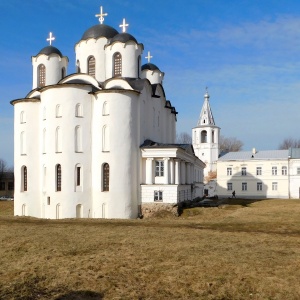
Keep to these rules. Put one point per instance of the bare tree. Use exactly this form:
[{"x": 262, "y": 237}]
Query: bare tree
[
  {"x": 3, "y": 167},
  {"x": 289, "y": 143},
  {"x": 230, "y": 144},
  {"x": 183, "y": 138},
  {"x": 210, "y": 176}
]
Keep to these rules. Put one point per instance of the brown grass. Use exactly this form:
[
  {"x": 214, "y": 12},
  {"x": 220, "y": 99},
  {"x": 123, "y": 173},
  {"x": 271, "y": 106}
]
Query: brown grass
[{"x": 236, "y": 252}]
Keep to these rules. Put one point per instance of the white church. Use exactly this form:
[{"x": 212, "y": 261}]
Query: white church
[{"x": 101, "y": 142}]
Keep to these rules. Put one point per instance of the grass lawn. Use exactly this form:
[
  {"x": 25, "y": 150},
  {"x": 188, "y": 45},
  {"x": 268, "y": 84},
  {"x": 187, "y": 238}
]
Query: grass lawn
[{"x": 241, "y": 251}]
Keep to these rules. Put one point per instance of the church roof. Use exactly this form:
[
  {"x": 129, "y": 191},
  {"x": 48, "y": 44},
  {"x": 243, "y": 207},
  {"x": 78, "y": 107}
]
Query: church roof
[
  {"x": 206, "y": 117},
  {"x": 123, "y": 37},
  {"x": 100, "y": 30},
  {"x": 149, "y": 66},
  {"x": 50, "y": 50},
  {"x": 152, "y": 144},
  {"x": 248, "y": 155}
]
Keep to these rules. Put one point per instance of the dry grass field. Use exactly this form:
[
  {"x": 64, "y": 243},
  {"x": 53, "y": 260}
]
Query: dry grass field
[{"x": 248, "y": 251}]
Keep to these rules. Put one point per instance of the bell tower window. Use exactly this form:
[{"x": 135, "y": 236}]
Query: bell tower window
[
  {"x": 41, "y": 75},
  {"x": 117, "y": 64},
  {"x": 91, "y": 66}
]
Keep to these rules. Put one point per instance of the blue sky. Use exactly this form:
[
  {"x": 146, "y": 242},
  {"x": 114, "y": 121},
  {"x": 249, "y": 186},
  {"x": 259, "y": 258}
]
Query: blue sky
[{"x": 246, "y": 51}]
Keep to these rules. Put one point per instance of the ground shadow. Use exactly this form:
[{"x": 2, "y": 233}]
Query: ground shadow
[{"x": 81, "y": 295}]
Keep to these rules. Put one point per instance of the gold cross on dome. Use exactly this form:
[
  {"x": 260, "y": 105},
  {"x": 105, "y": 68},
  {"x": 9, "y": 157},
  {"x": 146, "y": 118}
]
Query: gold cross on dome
[
  {"x": 124, "y": 25},
  {"x": 149, "y": 56},
  {"x": 51, "y": 38},
  {"x": 101, "y": 15}
]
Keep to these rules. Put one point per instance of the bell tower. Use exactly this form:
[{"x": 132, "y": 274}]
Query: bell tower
[{"x": 206, "y": 137}]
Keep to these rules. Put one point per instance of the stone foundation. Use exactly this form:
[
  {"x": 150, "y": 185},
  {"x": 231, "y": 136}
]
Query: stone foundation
[{"x": 159, "y": 209}]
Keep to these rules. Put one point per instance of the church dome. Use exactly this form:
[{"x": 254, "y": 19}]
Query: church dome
[
  {"x": 149, "y": 66},
  {"x": 123, "y": 38},
  {"x": 98, "y": 31},
  {"x": 50, "y": 50}
]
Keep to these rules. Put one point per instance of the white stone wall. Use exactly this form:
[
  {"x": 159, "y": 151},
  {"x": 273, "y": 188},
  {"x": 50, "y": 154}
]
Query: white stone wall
[{"x": 294, "y": 175}]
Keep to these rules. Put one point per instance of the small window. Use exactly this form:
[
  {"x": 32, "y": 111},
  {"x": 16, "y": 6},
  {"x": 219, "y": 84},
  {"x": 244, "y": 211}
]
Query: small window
[
  {"x": 91, "y": 66},
  {"x": 78, "y": 110},
  {"x": 244, "y": 171},
  {"x": 105, "y": 181},
  {"x": 10, "y": 186},
  {"x": 23, "y": 143},
  {"x": 204, "y": 136},
  {"x": 244, "y": 186},
  {"x": 274, "y": 170},
  {"x": 229, "y": 186},
  {"x": 274, "y": 186},
  {"x": 284, "y": 170},
  {"x": 259, "y": 186},
  {"x": 117, "y": 64},
  {"x": 41, "y": 75},
  {"x": 105, "y": 110},
  {"x": 159, "y": 168},
  {"x": 105, "y": 138},
  {"x": 22, "y": 117},
  {"x": 2, "y": 186},
  {"x": 24, "y": 179},
  {"x": 78, "y": 139},
  {"x": 63, "y": 72},
  {"x": 48, "y": 200},
  {"x": 229, "y": 171},
  {"x": 78, "y": 176},
  {"x": 158, "y": 196},
  {"x": 78, "y": 66},
  {"x": 258, "y": 170},
  {"x": 58, "y": 111},
  {"x": 44, "y": 113},
  {"x": 58, "y": 140},
  {"x": 58, "y": 178}
]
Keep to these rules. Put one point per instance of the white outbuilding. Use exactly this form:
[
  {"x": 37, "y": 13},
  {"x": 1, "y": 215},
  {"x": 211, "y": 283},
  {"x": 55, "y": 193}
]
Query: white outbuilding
[{"x": 101, "y": 142}]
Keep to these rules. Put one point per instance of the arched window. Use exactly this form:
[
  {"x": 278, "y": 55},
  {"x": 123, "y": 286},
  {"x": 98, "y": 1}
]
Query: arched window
[
  {"x": 78, "y": 110},
  {"x": 58, "y": 177},
  {"x": 284, "y": 170},
  {"x": 41, "y": 75},
  {"x": 58, "y": 111},
  {"x": 58, "y": 140},
  {"x": 117, "y": 63},
  {"x": 78, "y": 66},
  {"x": 22, "y": 117},
  {"x": 24, "y": 179},
  {"x": 23, "y": 143},
  {"x": 213, "y": 136},
  {"x": 44, "y": 140},
  {"x": 204, "y": 136},
  {"x": 63, "y": 72},
  {"x": 105, "y": 138},
  {"x": 91, "y": 66},
  {"x": 139, "y": 66},
  {"x": 105, "y": 176},
  {"x": 78, "y": 139},
  {"x": 105, "y": 109}
]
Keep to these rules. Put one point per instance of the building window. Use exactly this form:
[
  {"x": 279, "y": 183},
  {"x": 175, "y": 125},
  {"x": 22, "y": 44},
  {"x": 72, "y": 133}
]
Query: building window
[
  {"x": 204, "y": 136},
  {"x": 44, "y": 113},
  {"x": 105, "y": 173},
  {"x": 91, "y": 66},
  {"x": 229, "y": 171},
  {"x": 78, "y": 110},
  {"x": 78, "y": 139},
  {"x": 10, "y": 186},
  {"x": 274, "y": 186},
  {"x": 41, "y": 75},
  {"x": 2, "y": 186},
  {"x": 58, "y": 111},
  {"x": 78, "y": 176},
  {"x": 23, "y": 143},
  {"x": 105, "y": 138},
  {"x": 58, "y": 178},
  {"x": 58, "y": 140},
  {"x": 259, "y": 186},
  {"x": 229, "y": 186},
  {"x": 139, "y": 66},
  {"x": 78, "y": 66},
  {"x": 244, "y": 171},
  {"x": 159, "y": 168},
  {"x": 274, "y": 170},
  {"x": 105, "y": 110},
  {"x": 63, "y": 73},
  {"x": 158, "y": 196},
  {"x": 244, "y": 186},
  {"x": 117, "y": 64},
  {"x": 284, "y": 170},
  {"x": 258, "y": 170},
  {"x": 24, "y": 181},
  {"x": 22, "y": 117}
]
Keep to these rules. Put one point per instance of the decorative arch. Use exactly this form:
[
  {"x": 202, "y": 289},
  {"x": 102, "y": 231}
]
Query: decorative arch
[
  {"x": 117, "y": 64},
  {"x": 41, "y": 75},
  {"x": 78, "y": 139},
  {"x": 105, "y": 138},
  {"x": 203, "y": 136},
  {"x": 105, "y": 109},
  {"x": 23, "y": 143},
  {"x": 44, "y": 140},
  {"x": 58, "y": 140},
  {"x": 22, "y": 117},
  {"x": 105, "y": 177},
  {"x": 79, "y": 210},
  {"x": 91, "y": 66},
  {"x": 44, "y": 113},
  {"x": 58, "y": 111}
]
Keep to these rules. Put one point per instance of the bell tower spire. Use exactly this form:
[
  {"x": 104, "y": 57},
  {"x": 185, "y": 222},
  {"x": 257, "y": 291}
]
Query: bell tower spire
[{"x": 206, "y": 137}]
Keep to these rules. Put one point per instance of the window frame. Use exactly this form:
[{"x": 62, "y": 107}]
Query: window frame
[
  {"x": 229, "y": 171},
  {"x": 274, "y": 171},
  {"x": 158, "y": 196},
  {"x": 244, "y": 171},
  {"x": 117, "y": 64},
  {"x": 274, "y": 186},
  {"x": 259, "y": 186},
  {"x": 244, "y": 186},
  {"x": 229, "y": 186},
  {"x": 258, "y": 171},
  {"x": 159, "y": 168},
  {"x": 284, "y": 170},
  {"x": 91, "y": 62},
  {"x": 105, "y": 177},
  {"x": 58, "y": 173}
]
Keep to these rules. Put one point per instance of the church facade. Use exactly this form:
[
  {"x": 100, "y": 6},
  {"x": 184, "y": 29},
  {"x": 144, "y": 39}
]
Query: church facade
[{"x": 101, "y": 142}]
